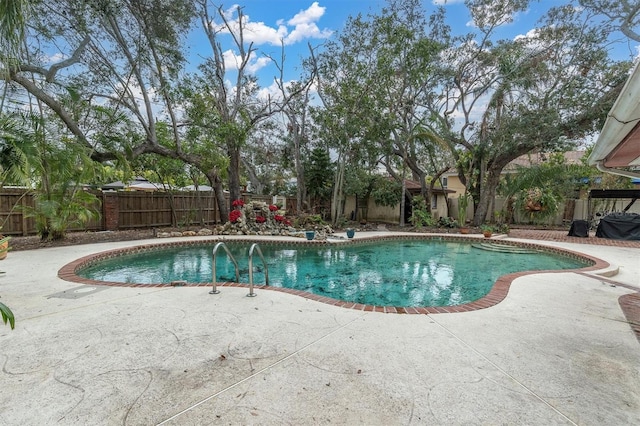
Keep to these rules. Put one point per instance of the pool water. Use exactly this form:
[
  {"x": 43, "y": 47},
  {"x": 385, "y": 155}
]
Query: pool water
[{"x": 390, "y": 273}]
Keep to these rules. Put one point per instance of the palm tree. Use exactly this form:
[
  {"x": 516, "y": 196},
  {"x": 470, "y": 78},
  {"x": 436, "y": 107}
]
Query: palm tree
[
  {"x": 13, "y": 22},
  {"x": 7, "y": 315}
]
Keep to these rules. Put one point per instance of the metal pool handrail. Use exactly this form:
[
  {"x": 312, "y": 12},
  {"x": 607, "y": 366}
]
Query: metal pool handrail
[
  {"x": 255, "y": 247},
  {"x": 215, "y": 290}
]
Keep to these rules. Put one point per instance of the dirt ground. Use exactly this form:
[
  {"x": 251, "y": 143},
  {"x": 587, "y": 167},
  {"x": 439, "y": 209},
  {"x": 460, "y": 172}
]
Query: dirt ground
[{"x": 74, "y": 238}]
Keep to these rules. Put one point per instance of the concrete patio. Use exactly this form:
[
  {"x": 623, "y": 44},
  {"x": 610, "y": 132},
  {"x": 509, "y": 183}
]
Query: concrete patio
[{"x": 557, "y": 350}]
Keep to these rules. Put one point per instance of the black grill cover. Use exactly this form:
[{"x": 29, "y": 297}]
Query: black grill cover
[
  {"x": 619, "y": 226},
  {"x": 579, "y": 228}
]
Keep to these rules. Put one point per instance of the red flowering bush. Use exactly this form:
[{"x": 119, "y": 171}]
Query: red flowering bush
[
  {"x": 260, "y": 219},
  {"x": 278, "y": 218},
  {"x": 238, "y": 203},
  {"x": 273, "y": 208},
  {"x": 234, "y": 215}
]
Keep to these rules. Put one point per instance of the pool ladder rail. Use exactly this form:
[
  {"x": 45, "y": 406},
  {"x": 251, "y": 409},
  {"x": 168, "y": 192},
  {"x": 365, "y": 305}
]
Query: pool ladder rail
[{"x": 254, "y": 247}]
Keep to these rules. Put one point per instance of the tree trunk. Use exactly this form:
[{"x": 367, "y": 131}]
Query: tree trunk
[
  {"x": 487, "y": 195},
  {"x": 234, "y": 172},
  {"x": 301, "y": 188},
  {"x": 338, "y": 192},
  {"x": 216, "y": 184},
  {"x": 256, "y": 185}
]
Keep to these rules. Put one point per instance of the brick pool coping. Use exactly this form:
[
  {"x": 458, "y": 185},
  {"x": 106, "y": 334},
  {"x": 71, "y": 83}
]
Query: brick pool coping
[{"x": 497, "y": 293}]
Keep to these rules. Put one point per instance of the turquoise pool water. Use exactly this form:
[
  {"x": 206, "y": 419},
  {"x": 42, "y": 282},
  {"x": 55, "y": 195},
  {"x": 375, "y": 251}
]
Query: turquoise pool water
[{"x": 389, "y": 273}]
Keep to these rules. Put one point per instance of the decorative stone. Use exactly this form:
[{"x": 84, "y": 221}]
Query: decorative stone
[
  {"x": 176, "y": 234},
  {"x": 205, "y": 232},
  {"x": 189, "y": 233}
]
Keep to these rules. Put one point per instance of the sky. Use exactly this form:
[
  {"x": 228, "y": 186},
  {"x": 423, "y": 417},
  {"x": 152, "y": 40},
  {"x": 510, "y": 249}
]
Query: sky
[{"x": 298, "y": 23}]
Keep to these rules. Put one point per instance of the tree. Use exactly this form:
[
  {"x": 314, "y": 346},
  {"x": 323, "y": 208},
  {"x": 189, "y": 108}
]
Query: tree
[
  {"x": 623, "y": 13},
  {"x": 319, "y": 177},
  {"x": 58, "y": 172},
  {"x": 376, "y": 83},
  {"x": 542, "y": 92},
  {"x": 118, "y": 80}
]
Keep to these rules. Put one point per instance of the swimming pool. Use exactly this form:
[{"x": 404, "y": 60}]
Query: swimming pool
[{"x": 397, "y": 272}]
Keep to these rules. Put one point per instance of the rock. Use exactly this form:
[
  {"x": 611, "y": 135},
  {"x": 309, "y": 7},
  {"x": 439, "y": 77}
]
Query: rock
[
  {"x": 163, "y": 234},
  {"x": 189, "y": 233},
  {"x": 176, "y": 234},
  {"x": 205, "y": 232}
]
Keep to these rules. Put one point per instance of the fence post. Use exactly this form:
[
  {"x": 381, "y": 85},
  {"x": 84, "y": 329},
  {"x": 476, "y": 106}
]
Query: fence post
[{"x": 110, "y": 211}]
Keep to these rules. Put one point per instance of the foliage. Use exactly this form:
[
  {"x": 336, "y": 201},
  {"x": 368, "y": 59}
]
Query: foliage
[
  {"x": 396, "y": 88},
  {"x": 319, "y": 175},
  {"x": 502, "y": 228},
  {"x": 420, "y": 214},
  {"x": 540, "y": 98},
  {"x": 309, "y": 221},
  {"x": 16, "y": 149},
  {"x": 539, "y": 204},
  {"x": 622, "y": 13},
  {"x": 463, "y": 203},
  {"x": 7, "y": 315},
  {"x": 447, "y": 222},
  {"x": 376, "y": 85},
  {"x": 59, "y": 172},
  {"x": 487, "y": 228},
  {"x": 387, "y": 192}
]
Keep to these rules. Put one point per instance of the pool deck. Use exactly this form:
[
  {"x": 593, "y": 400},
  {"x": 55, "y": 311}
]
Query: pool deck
[{"x": 558, "y": 349}]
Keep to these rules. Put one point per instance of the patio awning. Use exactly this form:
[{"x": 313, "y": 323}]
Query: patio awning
[{"x": 618, "y": 146}]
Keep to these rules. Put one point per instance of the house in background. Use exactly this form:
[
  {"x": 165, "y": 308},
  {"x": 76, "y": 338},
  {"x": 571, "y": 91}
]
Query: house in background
[
  {"x": 375, "y": 213},
  {"x": 452, "y": 181},
  {"x": 137, "y": 184}
]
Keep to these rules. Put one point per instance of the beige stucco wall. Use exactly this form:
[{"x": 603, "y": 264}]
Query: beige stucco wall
[
  {"x": 385, "y": 214},
  {"x": 454, "y": 184},
  {"x": 392, "y": 214}
]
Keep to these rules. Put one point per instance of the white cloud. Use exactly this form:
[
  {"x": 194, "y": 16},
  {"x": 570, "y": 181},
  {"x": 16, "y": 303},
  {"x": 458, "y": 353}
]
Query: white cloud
[
  {"x": 446, "y": 2},
  {"x": 302, "y": 26},
  {"x": 312, "y": 14},
  {"x": 270, "y": 92},
  {"x": 55, "y": 58},
  {"x": 232, "y": 61},
  {"x": 304, "y": 23},
  {"x": 308, "y": 30}
]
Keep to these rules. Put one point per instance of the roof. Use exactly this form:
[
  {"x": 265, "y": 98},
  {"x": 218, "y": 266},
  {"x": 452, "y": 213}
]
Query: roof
[
  {"x": 202, "y": 188},
  {"x": 618, "y": 145},
  {"x": 535, "y": 158},
  {"x": 137, "y": 184},
  {"x": 413, "y": 186}
]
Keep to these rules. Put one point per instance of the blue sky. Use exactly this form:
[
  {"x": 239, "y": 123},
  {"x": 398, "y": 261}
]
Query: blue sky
[{"x": 299, "y": 23}]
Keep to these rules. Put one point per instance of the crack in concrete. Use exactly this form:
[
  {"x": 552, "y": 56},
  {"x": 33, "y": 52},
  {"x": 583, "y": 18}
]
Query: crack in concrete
[{"x": 251, "y": 376}]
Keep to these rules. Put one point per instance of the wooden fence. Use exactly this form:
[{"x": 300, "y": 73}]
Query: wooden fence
[{"x": 123, "y": 210}]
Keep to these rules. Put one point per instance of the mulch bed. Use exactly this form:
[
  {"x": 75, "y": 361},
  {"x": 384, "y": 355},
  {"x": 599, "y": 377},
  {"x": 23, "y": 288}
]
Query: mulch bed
[{"x": 74, "y": 238}]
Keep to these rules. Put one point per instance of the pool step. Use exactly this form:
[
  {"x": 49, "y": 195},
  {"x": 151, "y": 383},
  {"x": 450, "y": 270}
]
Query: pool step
[{"x": 503, "y": 248}]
